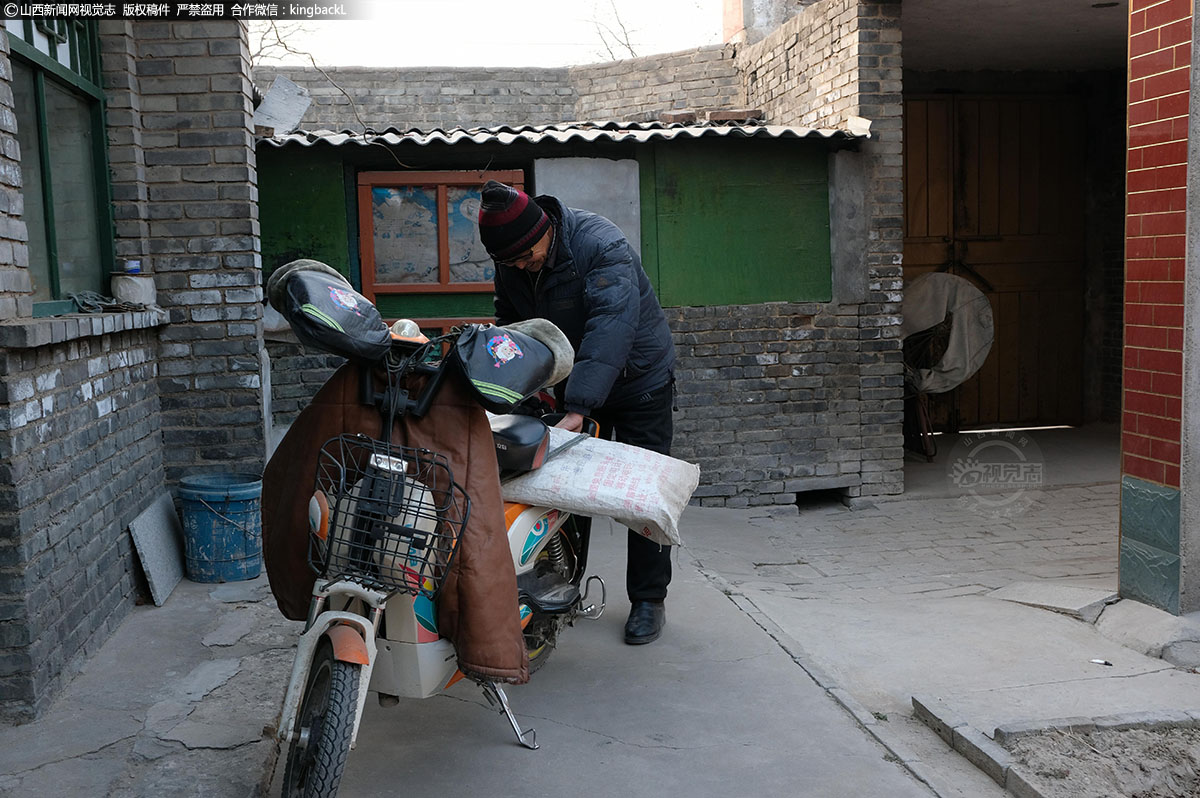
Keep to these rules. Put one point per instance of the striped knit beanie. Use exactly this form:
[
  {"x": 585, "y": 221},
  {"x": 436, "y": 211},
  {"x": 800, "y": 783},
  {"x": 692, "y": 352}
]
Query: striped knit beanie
[{"x": 509, "y": 221}]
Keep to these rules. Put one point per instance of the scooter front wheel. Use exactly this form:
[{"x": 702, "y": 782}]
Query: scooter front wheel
[{"x": 324, "y": 728}]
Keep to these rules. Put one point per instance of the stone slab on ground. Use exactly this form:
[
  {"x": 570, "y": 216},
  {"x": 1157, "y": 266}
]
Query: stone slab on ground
[
  {"x": 994, "y": 661},
  {"x": 84, "y": 775},
  {"x": 1083, "y": 603},
  {"x": 158, "y": 535},
  {"x": 62, "y": 737},
  {"x": 1153, "y": 632}
]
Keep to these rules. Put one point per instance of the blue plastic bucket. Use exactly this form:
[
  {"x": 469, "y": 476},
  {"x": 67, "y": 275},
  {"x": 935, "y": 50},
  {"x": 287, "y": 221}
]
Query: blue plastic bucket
[{"x": 222, "y": 526}]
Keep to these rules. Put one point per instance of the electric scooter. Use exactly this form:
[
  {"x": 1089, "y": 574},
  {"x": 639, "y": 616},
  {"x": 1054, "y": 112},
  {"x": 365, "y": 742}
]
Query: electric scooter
[{"x": 384, "y": 523}]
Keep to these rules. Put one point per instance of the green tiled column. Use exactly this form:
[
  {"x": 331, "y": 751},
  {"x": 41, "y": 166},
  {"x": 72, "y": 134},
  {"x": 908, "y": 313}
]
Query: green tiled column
[{"x": 1149, "y": 570}]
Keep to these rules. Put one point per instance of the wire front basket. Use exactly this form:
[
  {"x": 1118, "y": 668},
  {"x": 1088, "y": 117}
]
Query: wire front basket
[{"x": 392, "y": 515}]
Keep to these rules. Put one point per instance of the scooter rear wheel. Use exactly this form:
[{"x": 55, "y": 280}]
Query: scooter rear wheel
[
  {"x": 325, "y": 726},
  {"x": 541, "y": 636}
]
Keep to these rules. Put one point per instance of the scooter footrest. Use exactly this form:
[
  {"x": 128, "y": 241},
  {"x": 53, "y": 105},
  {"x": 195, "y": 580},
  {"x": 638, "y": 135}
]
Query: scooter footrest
[{"x": 548, "y": 593}]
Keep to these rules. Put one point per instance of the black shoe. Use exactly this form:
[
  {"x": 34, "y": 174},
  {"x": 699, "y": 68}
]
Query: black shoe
[{"x": 646, "y": 620}]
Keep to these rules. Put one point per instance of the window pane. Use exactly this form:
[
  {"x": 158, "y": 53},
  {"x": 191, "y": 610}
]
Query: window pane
[
  {"x": 73, "y": 187},
  {"x": 469, "y": 261},
  {"x": 25, "y": 107},
  {"x": 405, "y": 234}
]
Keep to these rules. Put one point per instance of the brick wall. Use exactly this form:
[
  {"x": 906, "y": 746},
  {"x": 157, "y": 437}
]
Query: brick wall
[
  {"x": 297, "y": 373},
  {"x": 641, "y": 88},
  {"x": 806, "y": 72},
  {"x": 81, "y": 456},
  {"x": 772, "y": 402},
  {"x": 80, "y": 453},
  {"x": 1160, "y": 58},
  {"x": 203, "y": 239},
  {"x": 99, "y": 412},
  {"x": 126, "y": 152},
  {"x": 702, "y": 78},
  {"x": 428, "y": 98},
  {"x": 882, "y": 366}
]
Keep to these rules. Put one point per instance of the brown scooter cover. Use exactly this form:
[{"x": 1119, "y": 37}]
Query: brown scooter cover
[{"x": 477, "y": 608}]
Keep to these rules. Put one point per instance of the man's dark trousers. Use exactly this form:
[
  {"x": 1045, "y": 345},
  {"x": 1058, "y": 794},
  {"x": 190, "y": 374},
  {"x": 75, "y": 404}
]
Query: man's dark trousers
[{"x": 645, "y": 421}]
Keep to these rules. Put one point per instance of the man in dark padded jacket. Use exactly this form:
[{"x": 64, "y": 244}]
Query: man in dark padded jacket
[{"x": 576, "y": 269}]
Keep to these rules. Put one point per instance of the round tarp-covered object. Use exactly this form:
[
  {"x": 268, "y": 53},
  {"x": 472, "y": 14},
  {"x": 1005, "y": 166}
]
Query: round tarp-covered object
[{"x": 928, "y": 301}]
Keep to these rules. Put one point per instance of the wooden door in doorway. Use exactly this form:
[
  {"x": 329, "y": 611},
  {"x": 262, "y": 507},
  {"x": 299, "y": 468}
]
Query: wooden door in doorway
[{"x": 994, "y": 193}]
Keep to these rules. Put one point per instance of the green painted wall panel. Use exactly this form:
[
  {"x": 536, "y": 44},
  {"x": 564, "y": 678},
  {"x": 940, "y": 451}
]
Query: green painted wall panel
[
  {"x": 302, "y": 208},
  {"x": 649, "y": 199},
  {"x": 740, "y": 222},
  {"x": 435, "y": 306},
  {"x": 723, "y": 221}
]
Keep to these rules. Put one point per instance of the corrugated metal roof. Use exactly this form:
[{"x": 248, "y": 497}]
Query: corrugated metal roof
[{"x": 569, "y": 132}]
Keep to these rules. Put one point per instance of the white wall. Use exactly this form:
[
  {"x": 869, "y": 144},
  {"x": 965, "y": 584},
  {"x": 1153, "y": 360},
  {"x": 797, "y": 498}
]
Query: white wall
[{"x": 609, "y": 188}]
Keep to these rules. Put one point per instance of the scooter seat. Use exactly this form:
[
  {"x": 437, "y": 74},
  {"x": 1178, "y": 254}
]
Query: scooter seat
[{"x": 521, "y": 442}]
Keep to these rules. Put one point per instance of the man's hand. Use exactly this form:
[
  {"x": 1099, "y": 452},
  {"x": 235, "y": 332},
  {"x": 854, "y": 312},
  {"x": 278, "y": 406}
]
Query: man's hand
[{"x": 572, "y": 422}]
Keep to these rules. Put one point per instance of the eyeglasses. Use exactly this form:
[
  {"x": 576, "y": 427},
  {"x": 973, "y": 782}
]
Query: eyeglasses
[{"x": 524, "y": 257}]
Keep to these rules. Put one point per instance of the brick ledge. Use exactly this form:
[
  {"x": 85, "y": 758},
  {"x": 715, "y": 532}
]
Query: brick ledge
[{"x": 31, "y": 333}]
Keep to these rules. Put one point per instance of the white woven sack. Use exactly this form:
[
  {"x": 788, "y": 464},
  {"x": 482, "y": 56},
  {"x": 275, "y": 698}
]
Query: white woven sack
[{"x": 637, "y": 488}]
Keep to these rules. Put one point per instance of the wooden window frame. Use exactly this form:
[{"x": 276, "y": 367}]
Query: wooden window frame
[{"x": 441, "y": 181}]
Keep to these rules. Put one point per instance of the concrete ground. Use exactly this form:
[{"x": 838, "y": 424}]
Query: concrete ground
[
  {"x": 796, "y": 641},
  {"x": 174, "y": 703}
]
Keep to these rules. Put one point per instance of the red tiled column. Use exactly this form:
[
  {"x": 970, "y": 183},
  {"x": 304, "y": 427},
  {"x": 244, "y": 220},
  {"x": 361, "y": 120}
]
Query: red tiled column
[{"x": 1160, "y": 42}]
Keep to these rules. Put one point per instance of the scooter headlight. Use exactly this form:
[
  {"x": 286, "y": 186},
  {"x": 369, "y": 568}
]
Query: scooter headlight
[{"x": 318, "y": 515}]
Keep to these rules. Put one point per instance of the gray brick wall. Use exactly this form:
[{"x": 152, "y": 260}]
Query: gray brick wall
[
  {"x": 703, "y": 78},
  {"x": 806, "y": 71},
  {"x": 201, "y": 239},
  {"x": 775, "y": 400},
  {"x": 879, "y": 99},
  {"x": 126, "y": 150},
  {"x": 80, "y": 457},
  {"x": 15, "y": 287},
  {"x": 428, "y": 98},
  {"x": 98, "y": 415},
  {"x": 297, "y": 373}
]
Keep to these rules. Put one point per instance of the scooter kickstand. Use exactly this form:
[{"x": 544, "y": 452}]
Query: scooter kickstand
[{"x": 494, "y": 693}]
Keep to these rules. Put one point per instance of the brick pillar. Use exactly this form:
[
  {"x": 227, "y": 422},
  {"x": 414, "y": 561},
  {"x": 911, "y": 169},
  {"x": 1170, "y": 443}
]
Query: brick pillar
[
  {"x": 881, "y": 373},
  {"x": 198, "y": 151},
  {"x": 123, "y": 122},
  {"x": 16, "y": 290},
  {"x": 1155, "y": 255}
]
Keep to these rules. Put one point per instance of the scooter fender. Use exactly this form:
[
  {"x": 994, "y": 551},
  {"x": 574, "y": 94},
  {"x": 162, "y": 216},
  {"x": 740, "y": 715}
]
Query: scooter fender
[
  {"x": 306, "y": 646},
  {"x": 348, "y": 645}
]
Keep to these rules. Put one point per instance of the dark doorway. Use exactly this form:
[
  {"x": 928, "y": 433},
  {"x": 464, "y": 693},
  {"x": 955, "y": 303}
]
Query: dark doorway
[{"x": 995, "y": 193}]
